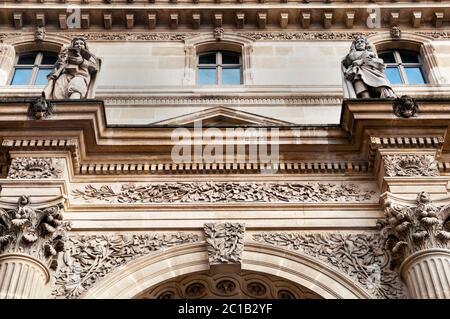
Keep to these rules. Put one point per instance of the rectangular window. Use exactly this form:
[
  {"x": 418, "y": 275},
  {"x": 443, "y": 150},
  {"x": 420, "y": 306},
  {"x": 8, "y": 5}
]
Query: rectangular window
[{"x": 41, "y": 78}]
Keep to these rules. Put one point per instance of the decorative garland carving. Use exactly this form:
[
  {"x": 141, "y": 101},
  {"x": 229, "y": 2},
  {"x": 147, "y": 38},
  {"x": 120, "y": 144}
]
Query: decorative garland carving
[
  {"x": 89, "y": 258},
  {"x": 226, "y": 192},
  {"x": 406, "y": 230},
  {"x": 280, "y": 36},
  {"x": 136, "y": 36},
  {"x": 359, "y": 255},
  {"x": 228, "y": 285},
  {"x": 410, "y": 165},
  {"x": 39, "y": 233},
  {"x": 34, "y": 168},
  {"x": 225, "y": 242}
]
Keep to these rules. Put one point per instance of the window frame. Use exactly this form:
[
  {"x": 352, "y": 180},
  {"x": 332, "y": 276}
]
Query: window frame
[
  {"x": 400, "y": 65},
  {"x": 219, "y": 66},
  {"x": 35, "y": 67}
]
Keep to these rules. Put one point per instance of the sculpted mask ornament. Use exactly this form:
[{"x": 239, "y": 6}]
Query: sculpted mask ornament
[
  {"x": 396, "y": 33},
  {"x": 363, "y": 72},
  {"x": 218, "y": 33},
  {"x": 74, "y": 72},
  {"x": 405, "y": 106},
  {"x": 39, "y": 34},
  {"x": 40, "y": 109}
]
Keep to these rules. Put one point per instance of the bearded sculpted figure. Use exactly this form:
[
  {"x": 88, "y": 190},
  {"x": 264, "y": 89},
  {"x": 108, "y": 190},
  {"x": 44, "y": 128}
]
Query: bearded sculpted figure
[
  {"x": 74, "y": 72},
  {"x": 363, "y": 72}
]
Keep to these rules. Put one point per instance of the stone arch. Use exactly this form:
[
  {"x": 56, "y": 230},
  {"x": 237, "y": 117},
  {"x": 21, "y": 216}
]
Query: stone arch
[
  {"x": 228, "y": 41},
  {"x": 138, "y": 275},
  {"x": 421, "y": 44}
]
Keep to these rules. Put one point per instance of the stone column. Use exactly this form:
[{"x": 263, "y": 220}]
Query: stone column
[
  {"x": 418, "y": 239},
  {"x": 31, "y": 237},
  {"x": 23, "y": 277},
  {"x": 427, "y": 274}
]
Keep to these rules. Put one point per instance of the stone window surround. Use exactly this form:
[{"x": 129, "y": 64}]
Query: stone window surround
[
  {"x": 13, "y": 47},
  {"x": 420, "y": 44},
  {"x": 207, "y": 42}
]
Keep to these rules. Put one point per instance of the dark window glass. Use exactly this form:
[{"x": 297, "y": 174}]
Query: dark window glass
[
  {"x": 49, "y": 59},
  {"x": 393, "y": 75},
  {"x": 207, "y": 58},
  {"x": 388, "y": 57},
  {"x": 22, "y": 76},
  {"x": 28, "y": 59},
  {"x": 414, "y": 75},
  {"x": 230, "y": 58},
  {"x": 409, "y": 57}
]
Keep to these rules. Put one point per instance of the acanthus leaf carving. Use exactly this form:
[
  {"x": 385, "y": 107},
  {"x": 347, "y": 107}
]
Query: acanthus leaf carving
[
  {"x": 34, "y": 168},
  {"x": 216, "y": 192},
  {"x": 39, "y": 233},
  {"x": 225, "y": 242},
  {"x": 408, "y": 229},
  {"x": 410, "y": 165},
  {"x": 359, "y": 255},
  {"x": 88, "y": 258}
]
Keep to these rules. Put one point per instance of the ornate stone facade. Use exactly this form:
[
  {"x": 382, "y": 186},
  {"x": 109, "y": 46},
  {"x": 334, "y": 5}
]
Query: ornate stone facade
[{"x": 405, "y": 106}]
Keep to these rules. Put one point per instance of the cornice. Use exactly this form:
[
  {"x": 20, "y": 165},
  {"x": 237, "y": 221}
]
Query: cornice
[
  {"x": 96, "y": 149},
  {"x": 258, "y": 15}
]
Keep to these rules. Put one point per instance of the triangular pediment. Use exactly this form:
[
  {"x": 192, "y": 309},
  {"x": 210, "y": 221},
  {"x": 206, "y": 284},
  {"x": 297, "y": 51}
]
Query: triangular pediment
[{"x": 221, "y": 116}]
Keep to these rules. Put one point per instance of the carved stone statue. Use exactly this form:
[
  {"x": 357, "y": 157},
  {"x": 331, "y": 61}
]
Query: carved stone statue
[
  {"x": 74, "y": 72},
  {"x": 363, "y": 72}
]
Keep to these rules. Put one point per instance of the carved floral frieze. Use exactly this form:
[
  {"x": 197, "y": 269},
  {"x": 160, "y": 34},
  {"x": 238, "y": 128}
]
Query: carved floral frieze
[
  {"x": 408, "y": 229},
  {"x": 292, "y": 36},
  {"x": 34, "y": 168},
  {"x": 226, "y": 192},
  {"x": 39, "y": 233},
  {"x": 410, "y": 165},
  {"x": 225, "y": 242},
  {"x": 359, "y": 255},
  {"x": 88, "y": 258}
]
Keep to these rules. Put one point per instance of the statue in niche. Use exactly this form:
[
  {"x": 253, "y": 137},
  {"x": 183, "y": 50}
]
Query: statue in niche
[
  {"x": 363, "y": 72},
  {"x": 74, "y": 72}
]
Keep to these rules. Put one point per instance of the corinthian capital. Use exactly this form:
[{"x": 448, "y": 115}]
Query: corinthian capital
[
  {"x": 408, "y": 229},
  {"x": 39, "y": 233}
]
